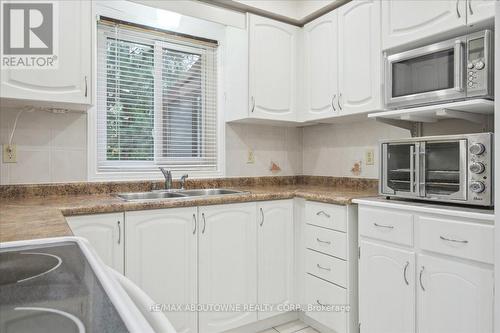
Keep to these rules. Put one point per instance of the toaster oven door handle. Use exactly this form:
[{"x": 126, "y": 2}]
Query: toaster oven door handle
[
  {"x": 412, "y": 169},
  {"x": 459, "y": 65}
]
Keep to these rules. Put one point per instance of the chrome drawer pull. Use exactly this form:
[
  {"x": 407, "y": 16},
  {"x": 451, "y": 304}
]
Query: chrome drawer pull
[
  {"x": 322, "y": 212},
  {"x": 324, "y": 268},
  {"x": 194, "y": 224},
  {"x": 383, "y": 226},
  {"x": 324, "y": 242},
  {"x": 454, "y": 240},
  {"x": 420, "y": 278}
]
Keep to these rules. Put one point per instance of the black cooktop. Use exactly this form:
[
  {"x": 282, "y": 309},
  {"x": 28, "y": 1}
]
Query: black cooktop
[{"x": 52, "y": 288}]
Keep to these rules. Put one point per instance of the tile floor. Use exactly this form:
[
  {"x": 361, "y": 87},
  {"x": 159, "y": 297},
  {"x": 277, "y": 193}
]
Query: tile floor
[{"x": 292, "y": 327}]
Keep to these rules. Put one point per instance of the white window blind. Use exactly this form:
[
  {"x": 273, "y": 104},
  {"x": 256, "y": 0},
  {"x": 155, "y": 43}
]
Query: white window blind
[{"x": 156, "y": 100}]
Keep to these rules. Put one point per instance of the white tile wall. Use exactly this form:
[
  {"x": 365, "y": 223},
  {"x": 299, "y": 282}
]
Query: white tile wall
[
  {"x": 332, "y": 150},
  {"x": 277, "y": 144},
  {"x": 50, "y": 147}
]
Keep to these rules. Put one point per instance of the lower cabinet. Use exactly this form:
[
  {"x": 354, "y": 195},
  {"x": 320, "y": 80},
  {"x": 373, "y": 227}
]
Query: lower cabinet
[
  {"x": 161, "y": 258},
  {"x": 105, "y": 232},
  {"x": 227, "y": 264},
  {"x": 431, "y": 286},
  {"x": 453, "y": 297},
  {"x": 275, "y": 249},
  {"x": 386, "y": 286}
]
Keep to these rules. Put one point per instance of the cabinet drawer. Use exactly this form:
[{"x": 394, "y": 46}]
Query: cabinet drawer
[
  {"x": 321, "y": 292},
  {"x": 461, "y": 239},
  {"x": 326, "y": 267},
  {"x": 326, "y": 215},
  {"x": 386, "y": 224},
  {"x": 326, "y": 241}
]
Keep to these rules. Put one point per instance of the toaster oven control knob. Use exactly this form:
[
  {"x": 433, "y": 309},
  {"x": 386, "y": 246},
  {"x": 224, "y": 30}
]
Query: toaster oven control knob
[
  {"x": 470, "y": 65},
  {"x": 477, "y": 149},
  {"x": 477, "y": 167},
  {"x": 477, "y": 187},
  {"x": 479, "y": 65}
]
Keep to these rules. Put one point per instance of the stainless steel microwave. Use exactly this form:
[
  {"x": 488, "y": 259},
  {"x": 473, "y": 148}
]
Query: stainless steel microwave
[
  {"x": 457, "y": 168},
  {"x": 452, "y": 70}
]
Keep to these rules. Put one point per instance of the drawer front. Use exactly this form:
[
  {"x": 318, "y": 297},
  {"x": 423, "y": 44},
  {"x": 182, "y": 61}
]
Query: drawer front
[
  {"x": 326, "y": 241},
  {"x": 321, "y": 292},
  {"x": 326, "y": 215},
  {"x": 461, "y": 239},
  {"x": 386, "y": 224},
  {"x": 326, "y": 267}
]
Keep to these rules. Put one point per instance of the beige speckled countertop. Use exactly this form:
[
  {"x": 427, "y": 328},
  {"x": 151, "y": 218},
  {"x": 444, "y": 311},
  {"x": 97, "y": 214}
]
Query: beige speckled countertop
[{"x": 40, "y": 217}]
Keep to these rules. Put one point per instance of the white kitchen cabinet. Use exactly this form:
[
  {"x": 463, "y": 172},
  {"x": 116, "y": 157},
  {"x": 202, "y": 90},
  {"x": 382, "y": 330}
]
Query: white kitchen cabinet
[
  {"x": 480, "y": 10},
  {"x": 227, "y": 264},
  {"x": 105, "y": 232},
  {"x": 71, "y": 81},
  {"x": 272, "y": 69},
  {"x": 386, "y": 286},
  {"x": 453, "y": 297},
  {"x": 321, "y": 67},
  {"x": 161, "y": 258},
  {"x": 360, "y": 58},
  {"x": 275, "y": 254}
]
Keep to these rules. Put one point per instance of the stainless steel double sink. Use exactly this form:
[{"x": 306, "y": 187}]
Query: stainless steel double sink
[{"x": 176, "y": 194}]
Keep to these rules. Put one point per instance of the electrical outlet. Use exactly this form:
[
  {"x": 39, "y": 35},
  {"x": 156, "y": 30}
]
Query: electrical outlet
[
  {"x": 251, "y": 157},
  {"x": 370, "y": 157},
  {"x": 9, "y": 153}
]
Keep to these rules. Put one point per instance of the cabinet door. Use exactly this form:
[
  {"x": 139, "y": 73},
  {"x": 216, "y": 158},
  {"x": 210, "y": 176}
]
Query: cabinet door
[
  {"x": 70, "y": 81},
  {"x": 105, "y": 232},
  {"x": 453, "y": 297},
  {"x": 272, "y": 67},
  {"x": 275, "y": 254},
  {"x": 386, "y": 289},
  {"x": 321, "y": 90},
  {"x": 411, "y": 20},
  {"x": 480, "y": 10},
  {"x": 359, "y": 57},
  {"x": 161, "y": 258},
  {"x": 228, "y": 264}
]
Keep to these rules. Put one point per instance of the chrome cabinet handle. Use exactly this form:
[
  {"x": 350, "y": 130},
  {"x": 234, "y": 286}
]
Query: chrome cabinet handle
[
  {"x": 119, "y": 232},
  {"x": 323, "y": 268},
  {"x": 322, "y": 241},
  {"x": 261, "y": 217},
  {"x": 319, "y": 303},
  {"x": 404, "y": 273},
  {"x": 253, "y": 104},
  {"x": 470, "y": 7},
  {"x": 194, "y": 224},
  {"x": 458, "y": 11},
  {"x": 322, "y": 212},
  {"x": 454, "y": 240},
  {"x": 204, "y": 223},
  {"x": 339, "y": 102},
  {"x": 383, "y": 226},
  {"x": 86, "y": 86},
  {"x": 333, "y": 102},
  {"x": 420, "y": 278}
]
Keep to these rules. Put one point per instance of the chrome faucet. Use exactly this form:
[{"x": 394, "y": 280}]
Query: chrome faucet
[
  {"x": 183, "y": 180},
  {"x": 168, "y": 178}
]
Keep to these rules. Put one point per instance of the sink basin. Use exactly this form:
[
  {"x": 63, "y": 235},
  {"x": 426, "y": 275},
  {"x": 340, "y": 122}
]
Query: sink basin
[
  {"x": 210, "y": 192},
  {"x": 176, "y": 194},
  {"x": 144, "y": 196}
]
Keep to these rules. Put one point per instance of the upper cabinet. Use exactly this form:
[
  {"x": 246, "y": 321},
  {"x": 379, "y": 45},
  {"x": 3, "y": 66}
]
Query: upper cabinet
[
  {"x": 70, "y": 82},
  {"x": 404, "y": 22},
  {"x": 321, "y": 68},
  {"x": 360, "y": 59},
  {"x": 272, "y": 69}
]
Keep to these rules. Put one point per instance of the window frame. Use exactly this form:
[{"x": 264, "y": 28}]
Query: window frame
[{"x": 136, "y": 170}]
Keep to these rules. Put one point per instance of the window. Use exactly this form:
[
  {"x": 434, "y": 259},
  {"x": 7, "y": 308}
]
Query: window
[{"x": 157, "y": 101}]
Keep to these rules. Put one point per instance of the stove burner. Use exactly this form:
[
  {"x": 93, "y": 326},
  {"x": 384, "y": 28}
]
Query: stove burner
[{"x": 18, "y": 267}]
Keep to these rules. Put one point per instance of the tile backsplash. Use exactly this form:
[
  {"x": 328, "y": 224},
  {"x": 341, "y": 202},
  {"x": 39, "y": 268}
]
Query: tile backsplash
[{"x": 50, "y": 147}]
